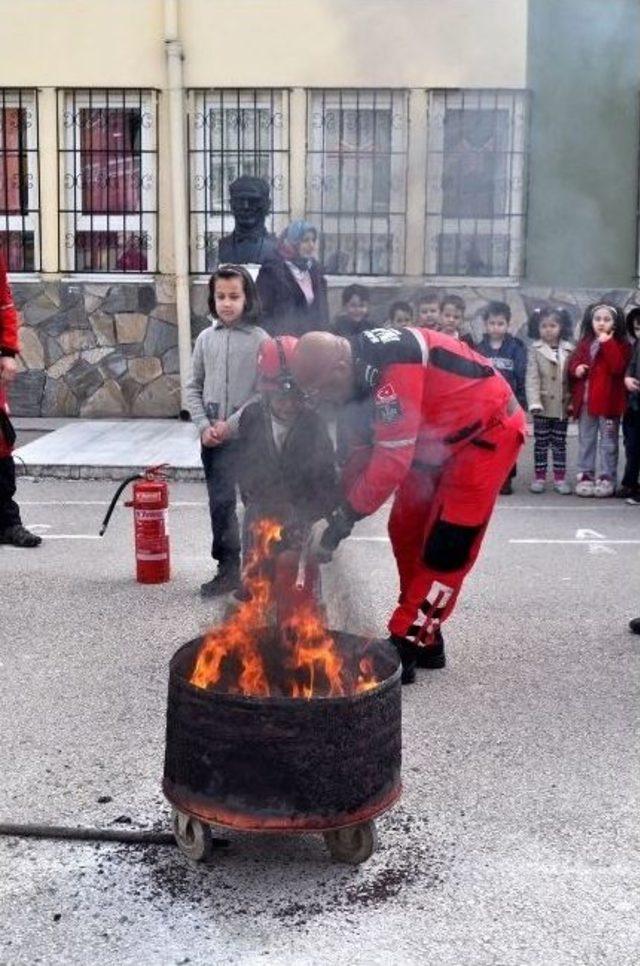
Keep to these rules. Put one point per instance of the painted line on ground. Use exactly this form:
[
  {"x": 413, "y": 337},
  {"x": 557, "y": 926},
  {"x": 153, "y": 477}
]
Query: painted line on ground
[
  {"x": 584, "y": 542},
  {"x": 119, "y": 506},
  {"x": 70, "y": 536},
  {"x": 555, "y": 508}
]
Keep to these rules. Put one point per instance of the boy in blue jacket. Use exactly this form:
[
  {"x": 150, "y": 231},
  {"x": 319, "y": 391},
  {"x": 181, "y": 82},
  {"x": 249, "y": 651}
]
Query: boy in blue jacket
[{"x": 508, "y": 356}]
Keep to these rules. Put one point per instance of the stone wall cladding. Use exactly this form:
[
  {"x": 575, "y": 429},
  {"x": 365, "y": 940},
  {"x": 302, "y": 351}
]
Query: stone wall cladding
[
  {"x": 92, "y": 349},
  {"x": 110, "y": 349}
]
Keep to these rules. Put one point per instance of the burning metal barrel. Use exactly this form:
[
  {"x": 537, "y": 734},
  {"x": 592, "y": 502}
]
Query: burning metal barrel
[{"x": 299, "y": 755}]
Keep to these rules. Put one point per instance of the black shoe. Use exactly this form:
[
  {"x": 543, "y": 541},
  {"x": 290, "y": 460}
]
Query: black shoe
[
  {"x": 407, "y": 651},
  {"x": 19, "y": 536},
  {"x": 225, "y": 582},
  {"x": 624, "y": 492},
  {"x": 432, "y": 656},
  {"x": 507, "y": 488},
  {"x": 634, "y": 625}
]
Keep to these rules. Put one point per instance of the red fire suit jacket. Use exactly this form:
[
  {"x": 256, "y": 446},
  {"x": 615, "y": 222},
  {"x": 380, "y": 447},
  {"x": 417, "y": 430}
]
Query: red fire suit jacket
[
  {"x": 9, "y": 345},
  {"x": 422, "y": 396},
  {"x": 607, "y": 393}
]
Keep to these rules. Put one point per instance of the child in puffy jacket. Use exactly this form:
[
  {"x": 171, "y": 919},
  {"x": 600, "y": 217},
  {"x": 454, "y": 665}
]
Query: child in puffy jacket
[
  {"x": 547, "y": 387},
  {"x": 596, "y": 378}
]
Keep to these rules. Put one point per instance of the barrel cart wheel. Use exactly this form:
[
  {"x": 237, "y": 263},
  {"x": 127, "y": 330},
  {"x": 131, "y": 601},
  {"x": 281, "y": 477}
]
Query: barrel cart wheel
[
  {"x": 354, "y": 844},
  {"x": 192, "y": 836}
]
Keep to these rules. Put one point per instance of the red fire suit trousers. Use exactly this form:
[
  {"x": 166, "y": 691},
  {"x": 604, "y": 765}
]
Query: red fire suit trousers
[{"x": 438, "y": 521}]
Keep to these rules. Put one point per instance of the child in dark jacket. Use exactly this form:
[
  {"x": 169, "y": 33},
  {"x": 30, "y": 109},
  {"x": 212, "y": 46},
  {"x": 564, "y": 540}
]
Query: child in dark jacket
[
  {"x": 631, "y": 420},
  {"x": 596, "y": 379},
  {"x": 354, "y": 317},
  {"x": 287, "y": 464},
  {"x": 508, "y": 356}
]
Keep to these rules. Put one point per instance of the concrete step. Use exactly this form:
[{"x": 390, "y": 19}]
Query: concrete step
[{"x": 112, "y": 449}]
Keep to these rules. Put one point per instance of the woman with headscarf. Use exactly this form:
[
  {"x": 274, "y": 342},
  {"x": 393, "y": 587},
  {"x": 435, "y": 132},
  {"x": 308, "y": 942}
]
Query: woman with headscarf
[{"x": 291, "y": 286}]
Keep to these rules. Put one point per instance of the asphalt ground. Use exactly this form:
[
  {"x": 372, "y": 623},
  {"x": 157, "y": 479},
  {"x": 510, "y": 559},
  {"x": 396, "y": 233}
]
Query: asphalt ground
[{"x": 516, "y": 838}]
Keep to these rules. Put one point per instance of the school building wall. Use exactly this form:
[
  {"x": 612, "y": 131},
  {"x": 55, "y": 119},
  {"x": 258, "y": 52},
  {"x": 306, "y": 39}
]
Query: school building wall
[{"x": 106, "y": 346}]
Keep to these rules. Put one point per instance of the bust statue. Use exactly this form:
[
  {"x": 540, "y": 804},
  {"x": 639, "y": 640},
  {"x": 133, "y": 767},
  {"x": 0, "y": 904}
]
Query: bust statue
[{"x": 249, "y": 243}]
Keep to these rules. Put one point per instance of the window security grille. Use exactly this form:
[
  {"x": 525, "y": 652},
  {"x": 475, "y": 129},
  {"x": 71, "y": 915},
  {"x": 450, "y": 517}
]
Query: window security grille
[
  {"x": 19, "y": 187},
  {"x": 476, "y": 183},
  {"x": 357, "y": 178},
  {"x": 231, "y": 133},
  {"x": 108, "y": 170}
]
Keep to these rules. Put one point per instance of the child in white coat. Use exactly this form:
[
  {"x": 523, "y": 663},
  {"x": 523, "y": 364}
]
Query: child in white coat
[{"x": 548, "y": 395}]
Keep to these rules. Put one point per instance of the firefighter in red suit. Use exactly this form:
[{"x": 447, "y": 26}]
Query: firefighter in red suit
[
  {"x": 11, "y": 529},
  {"x": 438, "y": 427}
]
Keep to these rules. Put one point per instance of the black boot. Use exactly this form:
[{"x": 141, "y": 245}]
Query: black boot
[
  {"x": 408, "y": 653},
  {"x": 432, "y": 656},
  {"x": 225, "y": 581},
  {"x": 634, "y": 625},
  {"x": 19, "y": 536}
]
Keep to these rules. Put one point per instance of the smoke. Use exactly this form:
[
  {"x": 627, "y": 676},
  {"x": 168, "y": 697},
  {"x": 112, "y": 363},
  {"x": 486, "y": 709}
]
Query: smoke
[{"x": 582, "y": 65}]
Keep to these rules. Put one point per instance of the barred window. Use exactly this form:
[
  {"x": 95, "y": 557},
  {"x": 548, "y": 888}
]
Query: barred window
[
  {"x": 108, "y": 157},
  {"x": 357, "y": 178},
  {"x": 19, "y": 189},
  {"x": 476, "y": 180},
  {"x": 231, "y": 133}
]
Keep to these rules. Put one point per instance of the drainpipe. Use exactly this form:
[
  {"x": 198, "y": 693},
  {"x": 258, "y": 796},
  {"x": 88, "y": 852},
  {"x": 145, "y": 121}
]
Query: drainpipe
[{"x": 175, "y": 86}]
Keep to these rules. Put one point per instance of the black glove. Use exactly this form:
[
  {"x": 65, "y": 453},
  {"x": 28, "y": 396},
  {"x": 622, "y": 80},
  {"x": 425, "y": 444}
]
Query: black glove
[{"x": 341, "y": 523}]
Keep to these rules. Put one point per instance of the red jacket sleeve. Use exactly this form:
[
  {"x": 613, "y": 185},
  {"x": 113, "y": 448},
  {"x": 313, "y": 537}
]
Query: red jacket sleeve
[
  {"x": 578, "y": 357},
  {"x": 397, "y": 417},
  {"x": 615, "y": 356},
  {"x": 9, "y": 345}
]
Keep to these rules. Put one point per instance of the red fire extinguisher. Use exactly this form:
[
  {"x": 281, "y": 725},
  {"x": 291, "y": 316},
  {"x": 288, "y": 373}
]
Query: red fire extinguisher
[{"x": 150, "y": 502}]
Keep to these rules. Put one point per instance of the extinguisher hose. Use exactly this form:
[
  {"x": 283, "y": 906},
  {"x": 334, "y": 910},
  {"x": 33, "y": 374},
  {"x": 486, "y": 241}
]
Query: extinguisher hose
[{"x": 116, "y": 497}]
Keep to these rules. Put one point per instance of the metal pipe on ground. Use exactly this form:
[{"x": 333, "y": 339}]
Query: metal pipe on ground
[{"x": 124, "y": 836}]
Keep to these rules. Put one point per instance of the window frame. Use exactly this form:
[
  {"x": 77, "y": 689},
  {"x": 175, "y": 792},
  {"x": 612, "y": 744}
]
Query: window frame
[
  {"x": 362, "y": 223},
  {"x": 71, "y": 219},
  {"x": 510, "y": 224},
  {"x": 209, "y": 221},
  {"x": 27, "y": 221}
]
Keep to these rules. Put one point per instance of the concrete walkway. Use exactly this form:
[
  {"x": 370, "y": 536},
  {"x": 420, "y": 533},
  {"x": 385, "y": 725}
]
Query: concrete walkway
[{"x": 112, "y": 449}]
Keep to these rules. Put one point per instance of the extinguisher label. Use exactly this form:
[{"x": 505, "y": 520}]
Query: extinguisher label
[
  {"x": 152, "y": 542},
  {"x": 142, "y": 497}
]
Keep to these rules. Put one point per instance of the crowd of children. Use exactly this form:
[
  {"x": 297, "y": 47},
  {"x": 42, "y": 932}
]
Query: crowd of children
[{"x": 257, "y": 433}]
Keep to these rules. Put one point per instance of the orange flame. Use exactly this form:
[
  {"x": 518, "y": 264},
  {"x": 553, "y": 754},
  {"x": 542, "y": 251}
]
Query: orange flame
[
  {"x": 315, "y": 665},
  {"x": 313, "y": 651},
  {"x": 237, "y": 637}
]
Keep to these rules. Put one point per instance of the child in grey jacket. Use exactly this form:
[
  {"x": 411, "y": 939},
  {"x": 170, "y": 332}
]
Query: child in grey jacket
[
  {"x": 222, "y": 381},
  {"x": 548, "y": 396}
]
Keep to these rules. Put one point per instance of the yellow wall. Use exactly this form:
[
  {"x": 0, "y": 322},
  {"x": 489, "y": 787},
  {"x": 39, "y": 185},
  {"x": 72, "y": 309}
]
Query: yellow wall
[
  {"x": 252, "y": 43},
  {"x": 412, "y": 43}
]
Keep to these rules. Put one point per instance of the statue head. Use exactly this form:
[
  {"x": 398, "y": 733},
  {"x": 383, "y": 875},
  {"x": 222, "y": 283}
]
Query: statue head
[{"x": 249, "y": 198}]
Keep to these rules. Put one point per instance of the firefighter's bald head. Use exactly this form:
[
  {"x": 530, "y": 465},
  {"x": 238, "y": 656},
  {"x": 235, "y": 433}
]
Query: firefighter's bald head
[{"x": 322, "y": 366}]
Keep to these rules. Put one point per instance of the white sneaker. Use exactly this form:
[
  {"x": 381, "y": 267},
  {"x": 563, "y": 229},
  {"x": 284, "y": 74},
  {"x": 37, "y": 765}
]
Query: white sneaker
[
  {"x": 604, "y": 487},
  {"x": 537, "y": 485},
  {"x": 585, "y": 487},
  {"x": 562, "y": 487}
]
